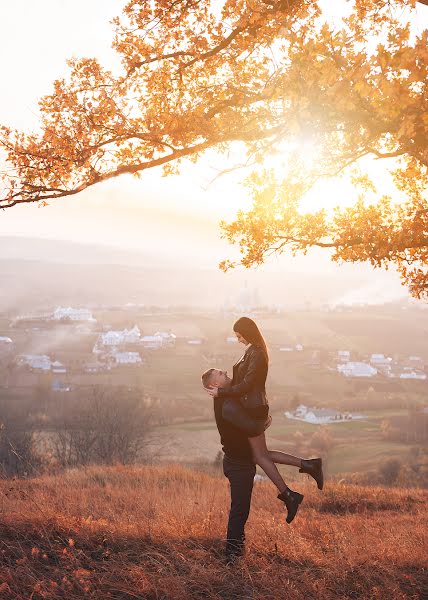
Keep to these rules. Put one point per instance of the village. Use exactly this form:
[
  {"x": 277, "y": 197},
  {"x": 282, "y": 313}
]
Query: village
[
  {"x": 112, "y": 348},
  {"x": 68, "y": 348}
]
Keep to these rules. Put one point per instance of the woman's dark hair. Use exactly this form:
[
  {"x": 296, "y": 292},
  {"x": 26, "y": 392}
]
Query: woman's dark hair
[{"x": 249, "y": 330}]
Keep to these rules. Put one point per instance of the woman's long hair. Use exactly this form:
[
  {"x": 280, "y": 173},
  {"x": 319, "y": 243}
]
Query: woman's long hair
[{"x": 249, "y": 330}]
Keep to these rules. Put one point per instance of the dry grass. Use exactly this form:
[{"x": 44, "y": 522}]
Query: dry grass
[{"x": 156, "y": 533}]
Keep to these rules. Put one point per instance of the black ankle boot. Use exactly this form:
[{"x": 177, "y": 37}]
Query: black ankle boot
[
  {"x": 291, "y": 500},
  {"x": 313, "y": 467}
]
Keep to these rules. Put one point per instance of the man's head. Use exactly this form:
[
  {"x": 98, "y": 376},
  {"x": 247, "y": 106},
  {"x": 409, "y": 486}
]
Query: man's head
[{"x": 215, "y": 378}]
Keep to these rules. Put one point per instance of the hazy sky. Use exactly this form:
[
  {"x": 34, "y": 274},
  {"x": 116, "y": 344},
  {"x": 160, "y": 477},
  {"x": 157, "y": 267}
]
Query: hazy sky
[{"x": 178, "y": 214}]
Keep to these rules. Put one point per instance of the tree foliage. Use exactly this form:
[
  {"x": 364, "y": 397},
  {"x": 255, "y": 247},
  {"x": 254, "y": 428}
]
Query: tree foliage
[{"x": 199, "y": 75}]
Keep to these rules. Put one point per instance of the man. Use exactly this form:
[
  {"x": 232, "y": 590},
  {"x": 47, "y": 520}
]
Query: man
[{"x": 238, "y": 463}]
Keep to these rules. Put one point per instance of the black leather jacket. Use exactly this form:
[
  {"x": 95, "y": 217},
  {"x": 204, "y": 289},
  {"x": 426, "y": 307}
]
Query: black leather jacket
[{"x": 249, "y": 379}]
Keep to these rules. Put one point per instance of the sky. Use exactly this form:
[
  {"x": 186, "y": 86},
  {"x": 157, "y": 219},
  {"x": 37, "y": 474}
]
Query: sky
[{"x": 181, "y": 212}]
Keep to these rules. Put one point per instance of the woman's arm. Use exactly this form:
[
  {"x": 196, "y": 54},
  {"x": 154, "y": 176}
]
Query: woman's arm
[{"x": 256, "y": 365}]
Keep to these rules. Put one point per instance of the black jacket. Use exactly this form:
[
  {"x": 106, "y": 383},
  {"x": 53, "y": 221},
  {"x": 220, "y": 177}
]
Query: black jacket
[
  {"x": 234, "y": 439},
  {"x": 248, "y": 383}
]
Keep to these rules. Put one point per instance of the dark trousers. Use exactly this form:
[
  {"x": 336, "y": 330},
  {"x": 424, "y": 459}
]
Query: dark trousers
[{"x": 241, "y": 478}]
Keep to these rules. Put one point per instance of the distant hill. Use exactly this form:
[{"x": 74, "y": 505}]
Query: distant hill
[{"x": 40, "y": 273}]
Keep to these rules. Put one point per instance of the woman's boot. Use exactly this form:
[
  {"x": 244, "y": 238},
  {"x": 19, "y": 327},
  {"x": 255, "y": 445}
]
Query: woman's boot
[
  {"x": 313, "y": 467},
  {"x": 291, "y": 500}
]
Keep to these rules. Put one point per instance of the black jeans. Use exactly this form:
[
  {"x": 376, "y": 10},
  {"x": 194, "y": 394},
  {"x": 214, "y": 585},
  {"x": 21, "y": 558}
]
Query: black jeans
[{"x": 241, "y": 478}]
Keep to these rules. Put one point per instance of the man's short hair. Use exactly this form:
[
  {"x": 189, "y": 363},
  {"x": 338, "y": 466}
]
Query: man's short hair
[{"x": 206, "y": 377}]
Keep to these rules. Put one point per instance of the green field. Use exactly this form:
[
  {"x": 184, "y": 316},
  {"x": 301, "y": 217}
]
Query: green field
[
  {"x": 357, "y": 446},
  {"x": 363, "y": 455}
]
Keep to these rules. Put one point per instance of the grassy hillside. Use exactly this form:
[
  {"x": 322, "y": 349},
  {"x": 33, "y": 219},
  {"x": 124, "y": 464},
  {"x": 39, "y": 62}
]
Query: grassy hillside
[{"x": 156, "y": 533}]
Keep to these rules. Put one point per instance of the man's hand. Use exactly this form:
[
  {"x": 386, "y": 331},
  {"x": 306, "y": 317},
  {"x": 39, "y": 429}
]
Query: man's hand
[{"x": 212, "y": 391}]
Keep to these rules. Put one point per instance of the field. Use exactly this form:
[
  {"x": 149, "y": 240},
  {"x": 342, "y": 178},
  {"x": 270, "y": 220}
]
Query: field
[
  {"x": 358, "y": 446},
  {"x": 156, "y": 533}
]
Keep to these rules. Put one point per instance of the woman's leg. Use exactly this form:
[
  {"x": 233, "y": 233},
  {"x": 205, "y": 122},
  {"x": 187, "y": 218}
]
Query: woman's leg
[
  {"x": 311, "y": 466},
  {"x": 262, "y": 457},
  {"x": 261, "y": 454},
  {"x": 282, "y": 458}
]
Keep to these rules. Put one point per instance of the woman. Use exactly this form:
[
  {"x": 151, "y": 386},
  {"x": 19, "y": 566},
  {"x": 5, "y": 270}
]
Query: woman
[{"x": 248, "y": 387}]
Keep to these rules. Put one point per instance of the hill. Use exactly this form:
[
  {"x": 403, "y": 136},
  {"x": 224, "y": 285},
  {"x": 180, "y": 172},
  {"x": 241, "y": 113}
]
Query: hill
[
  {"x": 152, "y": 532},
  {"x": 64, "y": 272}
]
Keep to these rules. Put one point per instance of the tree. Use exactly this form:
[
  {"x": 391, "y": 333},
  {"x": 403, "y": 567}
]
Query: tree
[
  {"x": 389, "y": 470},
  {"x": 263, "y": 73},
  {"x": 18, "y": 451},
  {"x": 322, "y": 440},
  {"x": 105, "y": 427}
]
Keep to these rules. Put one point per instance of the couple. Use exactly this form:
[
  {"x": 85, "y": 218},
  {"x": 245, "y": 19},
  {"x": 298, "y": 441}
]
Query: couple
[{"x": 242, "y": 415}]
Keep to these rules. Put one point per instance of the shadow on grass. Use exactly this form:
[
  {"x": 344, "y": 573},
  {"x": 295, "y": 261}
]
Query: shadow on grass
[{"x": 69, "y": 564}]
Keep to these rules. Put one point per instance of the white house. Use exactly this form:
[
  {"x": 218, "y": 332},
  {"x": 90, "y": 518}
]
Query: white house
[
  {"x": 356, "y": 369},
  {"x": 195, "y": 342},
  {"x": 319, "y": 416},
  {"x": 416, "y": 363},
  {"x": 152, "y": 342},
  {"x": 131, "y": 336},
  {"x": 380, "y": 359},
  {"x": 343, "y": 355},
  {"x": 58, "y": 367},
  {"x": 286, "y": 349},
  {"x": 6, "y": 346},
  {"x": 110, "y": 338},
  {"x": 115, "y": 338},
  {"x": 232, "y": 339},
  {"x": 74, "y": 314},
  {"x": 301, "y": 410},
  {"x": 127, "y": 358},
  {"x": 299, "y": 347},
  {"x": 168, "y": 339},
  {"x": 35, "y": 361},
  {"x": 408, "y": 374}
]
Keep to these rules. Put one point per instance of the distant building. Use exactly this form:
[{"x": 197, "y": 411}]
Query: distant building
[
  {"x": 151, "y": 342},
  {"x": 74, "y": 314},
  {"x": 110, "y": 338},
  {"x": 35, "y": 361},
  {"x": 298, "y": 347},
  {"x": 195, "y": 342},
  {"x": 95, "y": 367},
  {"x": 127, "y": 358},
  {"x": 286, "y": 349},
  {"x": 417, "y": 363},
  {"x": 232, "y": 339},
  {"x": 343, "y": 355},
  {"x": 380, "y": 359},
  {"x": 320, "y": 416},
  {"x": 6, "y": 346},
  {"x": 168, "y": 338},
  {"x": 408, "y": 374},
  {"x": 247, "y": 299},
  {"x": 58, "y": 386},
  {"x": 356, "y": 369},
  {"x": 131, "y": 336},
  {"x": 58, "y": 367},
  {"x": 116, "y": 338}
]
